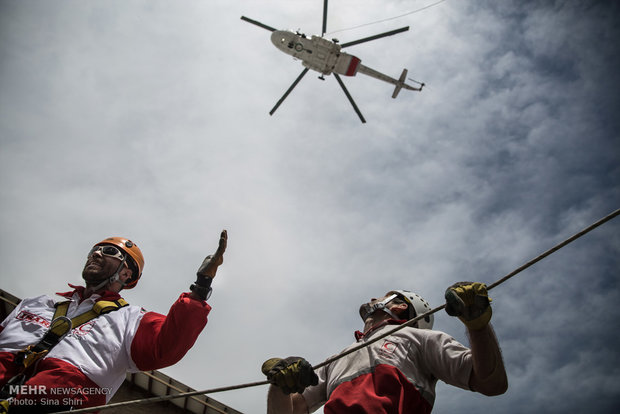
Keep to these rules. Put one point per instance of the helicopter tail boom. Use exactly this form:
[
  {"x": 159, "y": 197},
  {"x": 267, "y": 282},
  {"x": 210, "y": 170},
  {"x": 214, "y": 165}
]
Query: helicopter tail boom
[{"x": 400, "y": 83}]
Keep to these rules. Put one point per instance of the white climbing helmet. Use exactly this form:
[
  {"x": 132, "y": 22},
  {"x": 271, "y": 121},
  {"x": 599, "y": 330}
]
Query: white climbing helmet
[{"x": 418, "y": 306}]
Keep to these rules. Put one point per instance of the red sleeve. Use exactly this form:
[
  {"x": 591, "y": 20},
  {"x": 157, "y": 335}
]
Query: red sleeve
[
  {"x": 60, "y": 385},
  {"x": 161, "y": 341},
  {"x": 8, "y": 367}
]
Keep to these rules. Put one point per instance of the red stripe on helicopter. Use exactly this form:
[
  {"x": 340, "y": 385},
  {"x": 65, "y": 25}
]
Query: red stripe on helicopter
[{"x": 352, "y": 69}]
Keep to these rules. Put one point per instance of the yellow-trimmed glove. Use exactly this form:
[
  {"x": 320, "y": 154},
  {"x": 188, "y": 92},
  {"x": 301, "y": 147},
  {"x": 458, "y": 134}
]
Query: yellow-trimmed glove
[
  {"x": 470, "y": 302},
  {"x": 292, "y": 374}
]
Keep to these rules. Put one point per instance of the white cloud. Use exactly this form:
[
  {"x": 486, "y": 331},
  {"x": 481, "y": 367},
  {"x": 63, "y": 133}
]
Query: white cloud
[{"x": 150, "y": 120}]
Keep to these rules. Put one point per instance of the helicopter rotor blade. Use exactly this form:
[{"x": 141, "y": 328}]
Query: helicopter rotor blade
[
  {"x": 303, "y": 73},
  {"x": 346, "y": 92},
  {"x": 379, "y": 36},
  {"x": 324, "y": 18},
  {"x": 259, "y": 24}
]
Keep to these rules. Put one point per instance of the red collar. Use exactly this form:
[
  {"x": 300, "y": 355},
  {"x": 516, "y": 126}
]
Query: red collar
[
  {"x": 359, "y": 335},
  {"x": 105, "y": 295}
]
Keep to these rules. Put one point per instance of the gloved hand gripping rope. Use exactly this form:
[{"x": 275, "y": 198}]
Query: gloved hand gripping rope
[
  {"x": 462, "y": 299},
  {"x": 470, "y": 302}
]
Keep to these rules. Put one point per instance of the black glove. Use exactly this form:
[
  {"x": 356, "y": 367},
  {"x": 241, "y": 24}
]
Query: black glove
[
  {"x": 210, "y": 263},
  {"x": 470, "y": 302},
  {"x": 208, "y": 268},
  {"x": 292, "y": 374}
]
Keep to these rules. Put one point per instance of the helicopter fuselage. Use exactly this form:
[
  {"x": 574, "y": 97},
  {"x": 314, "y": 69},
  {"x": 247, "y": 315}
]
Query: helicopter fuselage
[
  {"x": 316, "y": 53},
  {"x": 326, "y": 57}
]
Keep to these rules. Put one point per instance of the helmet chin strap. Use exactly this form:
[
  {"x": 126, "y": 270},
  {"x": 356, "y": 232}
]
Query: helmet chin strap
[
  {"x": 368, "y": 309},
  {"x": 116, "y": 277}
]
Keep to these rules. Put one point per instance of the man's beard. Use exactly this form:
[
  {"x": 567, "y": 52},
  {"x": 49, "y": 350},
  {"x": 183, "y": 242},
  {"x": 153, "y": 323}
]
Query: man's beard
[
  {"x": 95, "y": 272},
  {"x": 365, "y": 311}
]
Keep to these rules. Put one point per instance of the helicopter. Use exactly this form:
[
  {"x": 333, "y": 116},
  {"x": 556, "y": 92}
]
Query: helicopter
[{"x": 326, "y": 57}]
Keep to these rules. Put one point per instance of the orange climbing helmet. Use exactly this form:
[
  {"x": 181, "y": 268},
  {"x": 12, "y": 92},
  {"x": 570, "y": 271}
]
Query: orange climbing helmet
[{"x": 133, "y": 257}]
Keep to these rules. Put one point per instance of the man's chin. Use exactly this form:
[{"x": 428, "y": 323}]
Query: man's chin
[{"x": 93, "y": 279}]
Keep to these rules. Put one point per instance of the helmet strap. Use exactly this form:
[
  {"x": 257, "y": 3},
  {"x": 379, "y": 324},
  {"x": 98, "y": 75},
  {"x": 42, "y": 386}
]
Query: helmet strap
[
  {"x": 368, "y": 309},
  {"x": 114, "y": 278}
]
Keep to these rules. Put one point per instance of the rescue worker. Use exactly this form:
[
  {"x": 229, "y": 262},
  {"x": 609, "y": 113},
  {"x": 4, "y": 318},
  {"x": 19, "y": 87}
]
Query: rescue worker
[
  {"x": 75, "y": 353},
  {"x": 398, "y": 373}
]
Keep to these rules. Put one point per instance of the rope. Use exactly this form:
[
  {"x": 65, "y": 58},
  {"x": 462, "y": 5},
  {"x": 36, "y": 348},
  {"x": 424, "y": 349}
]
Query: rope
[
  {"x": 489, "y": 287},
  {"x": 388, "y": 19},
  {"x": 164, "y": 398},
  {"x": 356, "y": 348}
]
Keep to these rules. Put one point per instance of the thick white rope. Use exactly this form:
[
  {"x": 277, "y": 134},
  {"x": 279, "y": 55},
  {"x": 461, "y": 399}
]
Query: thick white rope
[{"x": 357, "y": 348}]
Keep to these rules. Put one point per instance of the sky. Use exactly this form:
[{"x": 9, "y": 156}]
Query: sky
[{"x": 149, "y": 119}]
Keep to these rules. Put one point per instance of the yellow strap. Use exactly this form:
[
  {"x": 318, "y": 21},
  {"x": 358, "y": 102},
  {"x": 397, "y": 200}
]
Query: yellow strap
[
  {"x": 61, "y": 309},
  {"x": 61, "y": 326},
  {"x": 83, "y": 318},
  {"x": 105, "y": 306},
  {"x": 99, "y": 308}
]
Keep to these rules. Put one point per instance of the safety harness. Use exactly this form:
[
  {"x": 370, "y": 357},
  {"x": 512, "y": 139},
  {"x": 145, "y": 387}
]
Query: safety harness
[{"x": 28, "y": 358}]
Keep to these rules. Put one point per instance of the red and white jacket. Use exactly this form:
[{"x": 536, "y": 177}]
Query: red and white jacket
[
  {"x": 88, "y": 366},
  {"x": 394, "y": 375}
]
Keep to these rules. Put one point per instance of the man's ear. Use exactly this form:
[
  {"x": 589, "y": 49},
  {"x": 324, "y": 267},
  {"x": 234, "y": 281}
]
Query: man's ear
[
  {"x": 399, "y": 308},
  {"x": 125, "y": 274}
]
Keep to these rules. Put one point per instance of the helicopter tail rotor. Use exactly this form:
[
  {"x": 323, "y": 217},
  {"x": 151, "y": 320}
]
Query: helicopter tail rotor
[{"x": 400, "y": 84}]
